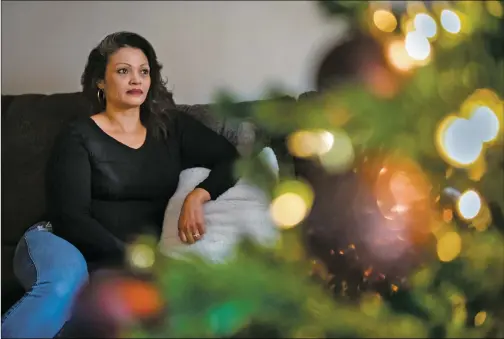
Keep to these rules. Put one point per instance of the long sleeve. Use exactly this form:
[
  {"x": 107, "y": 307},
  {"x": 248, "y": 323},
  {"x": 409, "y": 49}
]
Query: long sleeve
[
  {"x": 202, "y": 147},
  {"x": 68, "y": 189}
]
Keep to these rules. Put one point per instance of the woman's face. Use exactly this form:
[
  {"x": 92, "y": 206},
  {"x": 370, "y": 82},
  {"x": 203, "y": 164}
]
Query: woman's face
[{"x": 127, "y": 78}]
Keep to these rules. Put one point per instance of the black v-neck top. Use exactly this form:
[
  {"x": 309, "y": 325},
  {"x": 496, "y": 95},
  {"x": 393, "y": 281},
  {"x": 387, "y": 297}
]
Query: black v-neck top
[{"x": 102, "y": 194}]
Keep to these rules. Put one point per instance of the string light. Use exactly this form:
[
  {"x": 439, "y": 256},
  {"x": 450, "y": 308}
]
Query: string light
[
  {"x": 293, "y": 201},
  {"x": 457, "y": 142},
  {"x": 288, "y": 210},
  {"x": 486, "y": 124},
  {"x": 299, "y": 144},
  {"x": 425, "y": 25},
  {"x": 141, "y": 298},
  {"x": 327, "y": 142},
  {"x": 398, "y": 56},
  {"x": 480, "y": 318},
  {"x": 449, "y": 246},
  {"x": 384, "y": 20},
  {"x": 142, "y": 256},
  {"x": 307, "y": 143},
  {"x": 485, "y": 110},
  {"x": 462, "y": 139},
  {"x": 340, "y": 155},
  {"x": 450, "y": 21},
  {"x": 417, "y": 46},
  {"x": 469, "y": 204}
]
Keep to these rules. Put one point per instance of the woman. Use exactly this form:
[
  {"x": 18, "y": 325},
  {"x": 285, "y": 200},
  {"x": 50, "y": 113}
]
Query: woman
[{"x": 110, "y": 178}]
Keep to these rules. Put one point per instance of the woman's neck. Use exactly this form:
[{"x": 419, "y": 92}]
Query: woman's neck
[{"x": 125, "y": 120}]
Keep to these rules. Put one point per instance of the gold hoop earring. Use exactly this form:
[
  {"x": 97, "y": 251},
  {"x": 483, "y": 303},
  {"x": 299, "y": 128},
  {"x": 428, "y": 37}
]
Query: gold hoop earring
[{"x": 101, "y": 96}]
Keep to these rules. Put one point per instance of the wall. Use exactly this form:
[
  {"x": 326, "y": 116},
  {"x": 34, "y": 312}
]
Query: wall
[{"x": 241, "y": 45}]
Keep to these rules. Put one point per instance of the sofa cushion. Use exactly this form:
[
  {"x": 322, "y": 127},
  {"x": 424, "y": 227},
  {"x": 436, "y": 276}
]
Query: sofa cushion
[
  {"x": 241, "y": 211},
  {"x": 204, "y": 114},
  {"x": 240, "y": 127}
]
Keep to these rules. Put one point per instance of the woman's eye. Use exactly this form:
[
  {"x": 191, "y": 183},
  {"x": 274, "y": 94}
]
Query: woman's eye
[
  {"x": 122, "y": 71},
  {"x": 145, "y": 71}
]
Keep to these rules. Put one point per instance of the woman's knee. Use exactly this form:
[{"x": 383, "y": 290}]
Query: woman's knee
[
  {"x": 69, "y": 276},
  {"x": 58, "y": 264}
]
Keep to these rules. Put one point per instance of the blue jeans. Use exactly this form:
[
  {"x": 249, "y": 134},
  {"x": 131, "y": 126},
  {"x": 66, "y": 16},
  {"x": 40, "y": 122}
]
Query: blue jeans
[{"x": 52, "y": 271}]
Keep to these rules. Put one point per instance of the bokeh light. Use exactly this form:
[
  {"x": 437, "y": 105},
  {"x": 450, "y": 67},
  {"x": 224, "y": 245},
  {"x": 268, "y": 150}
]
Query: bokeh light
[
  {"x": 494, "y": 7},
  {"x": 461, "y": 142},
  {"x": 139, "y": 297},
  {"x": 425, "y": 25},
  {"x": 334, "y": 148},
  {"x": 450, "y": 21},
  {"x": 449, "y": 246},
  {"x": 417, "y": 46},
  {"x": 485, "y": 110},
  {"x": 288, "y": 210},
  {"x": 485, "y": 123},
  {"x": 327, "y": 142},
  {"x": 299, "y": 144},
  {"x": 341, "y": 155},
  {"x": 402, "y": 193},
  {"x": 307, "y": 143},
  {"x": 114, "y": 300},
  {"x": 480, "y": 318},
  {"x": 385, "y": 20},
  {"x": 398, "y": 213},
  {"x": 141, "y": 256},
  {"x": 457, "y": 141},
  {"x": 462, "y": 139},
  {"x": 398, "y": 57},
  {"x": 469, "y": 204},
  {"x": 292, "y": 202}
]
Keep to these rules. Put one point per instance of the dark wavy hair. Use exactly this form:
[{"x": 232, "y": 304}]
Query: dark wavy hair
[{"x": 154, "y": 111}]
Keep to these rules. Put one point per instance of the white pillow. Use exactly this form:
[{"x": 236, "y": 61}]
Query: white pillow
[{"x": 243, "y": 210}]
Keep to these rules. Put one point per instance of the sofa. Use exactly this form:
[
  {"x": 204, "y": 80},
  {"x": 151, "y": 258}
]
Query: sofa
[{"x": 30, "y": 123}]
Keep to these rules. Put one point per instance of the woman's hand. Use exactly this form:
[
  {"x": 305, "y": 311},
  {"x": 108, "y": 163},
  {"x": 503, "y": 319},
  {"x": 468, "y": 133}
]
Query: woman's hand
[{"x": 191, "y": 224}]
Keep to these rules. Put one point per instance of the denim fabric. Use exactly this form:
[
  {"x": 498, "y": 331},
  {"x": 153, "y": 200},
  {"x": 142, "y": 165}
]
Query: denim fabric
[{"x": 52, "y": 271}]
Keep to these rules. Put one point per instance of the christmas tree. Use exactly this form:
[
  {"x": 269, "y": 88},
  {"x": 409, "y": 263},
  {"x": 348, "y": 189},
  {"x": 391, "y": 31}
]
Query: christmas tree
[{"x": 399, "y": 223}]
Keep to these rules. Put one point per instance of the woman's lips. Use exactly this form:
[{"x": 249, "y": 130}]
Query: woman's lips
[{"x": 135, "y": 92}]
